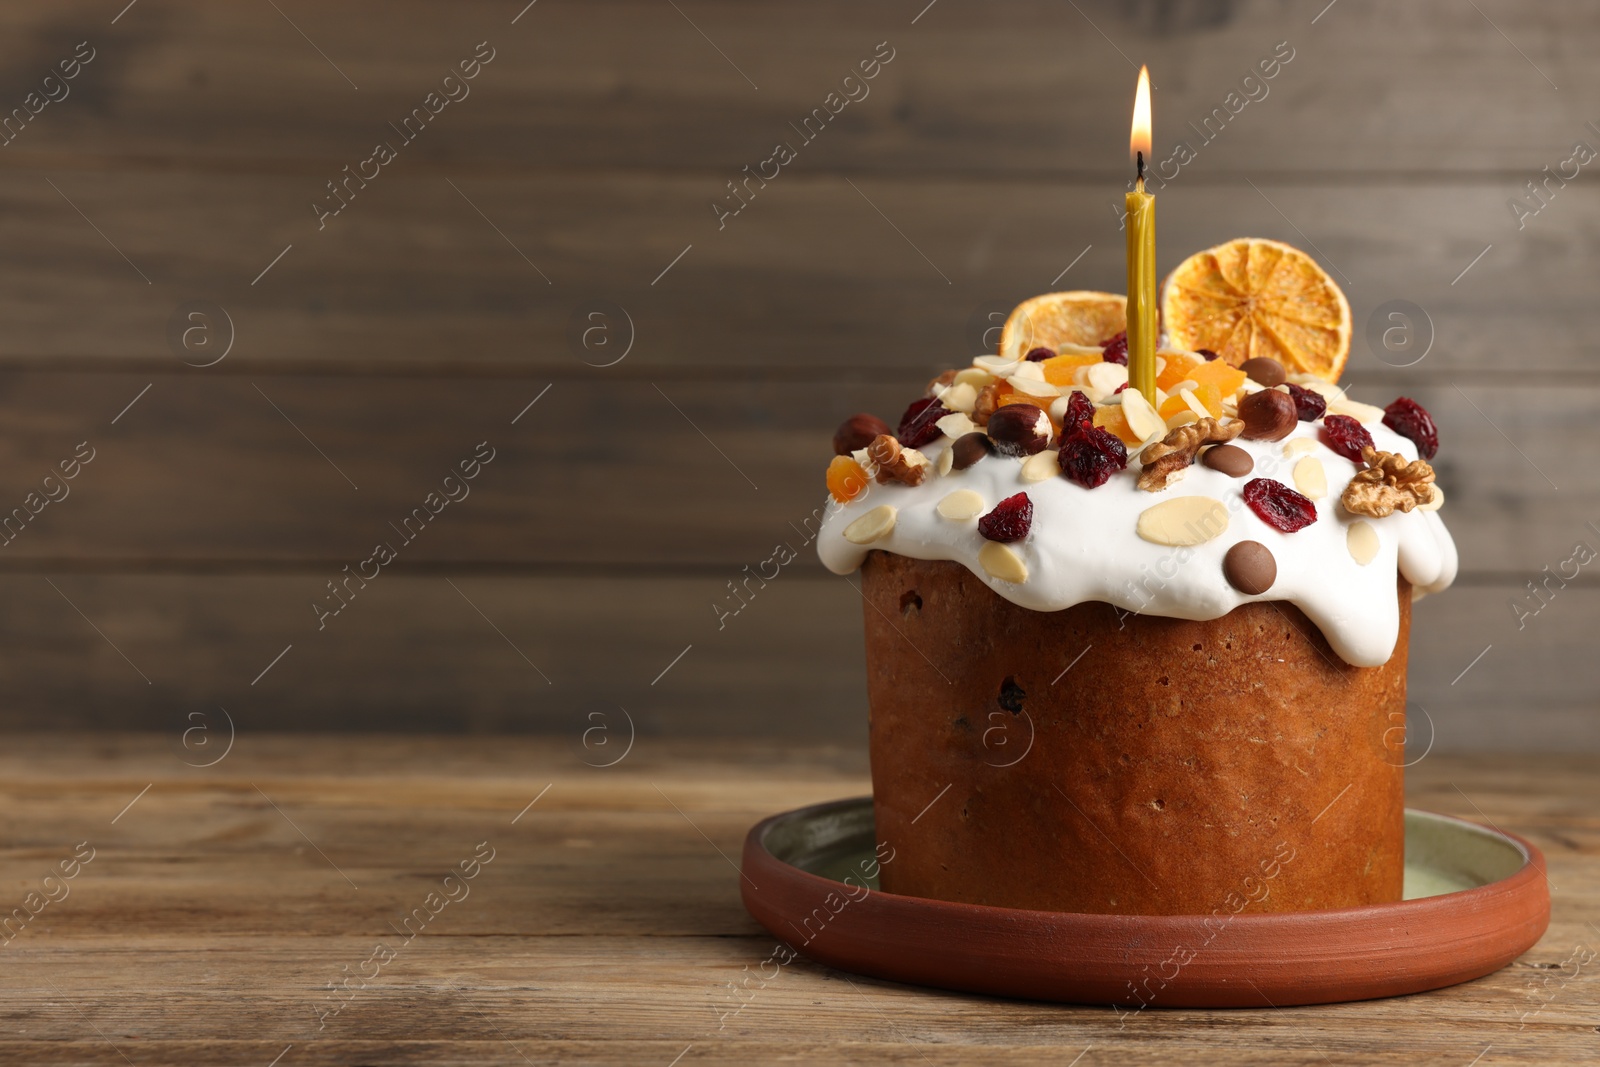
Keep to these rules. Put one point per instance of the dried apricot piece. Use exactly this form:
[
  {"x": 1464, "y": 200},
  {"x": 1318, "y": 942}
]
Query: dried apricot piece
[
  {"x": 1059, "y": 370},
  {"x": 1211, "y": 397},
  {"x": 1180, "y": 367},
  {"x": 846, "y": 479},
  {"x": 1226, "y": 379},
  {"x": 1111, "y": 418}
]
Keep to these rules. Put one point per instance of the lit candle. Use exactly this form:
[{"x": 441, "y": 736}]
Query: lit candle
[{"x": 1141, "y": 227}]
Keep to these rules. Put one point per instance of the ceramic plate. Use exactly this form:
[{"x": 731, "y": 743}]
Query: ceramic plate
[{"x": 1475, "y": 899}]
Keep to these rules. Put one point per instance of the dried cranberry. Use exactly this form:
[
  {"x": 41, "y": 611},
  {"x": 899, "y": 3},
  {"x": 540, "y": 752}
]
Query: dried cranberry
[
  {"x": 1346, "y": 436},
  {"x": 1307, "y": 404},
  {"x": 1090, "y": 455},
  {"x": 1207, "y": 353},
  {"x": 1010, "y": 520},
  {"x": 1115, "y": 349},
  {"x": 1279, "y": 506},
  {"x": 1119, "y": 388},
  {"x": 1080, "y": 409},
  {"x": 918, "y": 425},
  {"x": 1040, "y": 354},
  {"x": 1410, "y": 419}
]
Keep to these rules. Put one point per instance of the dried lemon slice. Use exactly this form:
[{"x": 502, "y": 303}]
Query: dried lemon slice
[
  {"x": 1054, "y": 320},
  {"x": 1253, "y": 297}
]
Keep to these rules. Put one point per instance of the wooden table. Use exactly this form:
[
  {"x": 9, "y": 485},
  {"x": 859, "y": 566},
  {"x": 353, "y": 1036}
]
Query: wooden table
[{"x": 602, "y": 921}]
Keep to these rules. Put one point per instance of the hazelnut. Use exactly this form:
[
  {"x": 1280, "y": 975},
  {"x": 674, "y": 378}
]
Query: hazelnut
[
  {"x": 857, "y": 432},
  {"x": 1268, "y": 415},
  {"x": 1020, "y": 429}
]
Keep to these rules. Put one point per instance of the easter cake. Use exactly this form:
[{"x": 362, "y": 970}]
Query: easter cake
[{"x": 1135, "y": 656}]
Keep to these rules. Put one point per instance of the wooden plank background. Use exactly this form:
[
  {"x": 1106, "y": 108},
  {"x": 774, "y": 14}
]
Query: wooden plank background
[
  {"x": 607, "y": 929},
  {"x": 578, "y": 175}
]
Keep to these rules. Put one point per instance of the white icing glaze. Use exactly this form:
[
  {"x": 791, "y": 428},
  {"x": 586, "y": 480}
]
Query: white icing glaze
[{"x": 1082, "y": 546}]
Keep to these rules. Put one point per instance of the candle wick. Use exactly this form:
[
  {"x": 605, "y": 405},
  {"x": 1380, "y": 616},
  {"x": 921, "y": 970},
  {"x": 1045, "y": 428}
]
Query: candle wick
[{"x": 1140, "y": 157}]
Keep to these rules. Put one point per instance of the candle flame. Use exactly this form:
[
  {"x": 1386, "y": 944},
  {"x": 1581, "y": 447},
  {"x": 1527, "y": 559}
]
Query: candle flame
[{"x": 1139, "y": 140}]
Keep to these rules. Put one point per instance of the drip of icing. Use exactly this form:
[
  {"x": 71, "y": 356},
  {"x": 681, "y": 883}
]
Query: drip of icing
[{"x": 1082, "y": 546}]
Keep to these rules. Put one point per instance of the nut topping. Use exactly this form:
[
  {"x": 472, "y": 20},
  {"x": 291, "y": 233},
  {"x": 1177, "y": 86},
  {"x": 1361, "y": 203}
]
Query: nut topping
[
  {"x": 1268, "y": 415},
  {"x": 857, "y": 432},
  {"x": 896, "y": 464},
  {"x": 987, "y": 403},
  {"x": 1177, "y": 450},
  {"x": 1389, "y": 484},
  {"x": 1019, "y": 430},
  {"x": 1183, "y": 520},
  {"x": 872, "y": 526}
]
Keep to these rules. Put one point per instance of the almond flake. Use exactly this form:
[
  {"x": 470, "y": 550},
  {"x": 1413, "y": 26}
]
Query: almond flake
[
  {"x": 1142, "y": 418},
  {"x": 959, "y": 397},
  {"x": 1296, "y": 445},
  {"x": 1041, "y": 465},
  {"x": 1029, "y": 387},
  {"x": 960, "y": 505},
  {"x": 955, "y": 424},
  {"x": 1182, "y": 418},
  {"x": 1184, "y": 520},
  {"x": 1103, "y": 379},
  {"x": 872, "y": 526},
  {"x": 1436, "y": 503},
  {"x": 1362, "y": 413},
  {"x": 1199, "y": 409},
  {"x": 1310, "y": 478},
  {"x": 974, "y": 377},
  {"x": 1362, "y": 541},
  {"x": 947, "y": 459},
  {"x": 1002, "y": 563},
  {"x": 999, "y": 366}
]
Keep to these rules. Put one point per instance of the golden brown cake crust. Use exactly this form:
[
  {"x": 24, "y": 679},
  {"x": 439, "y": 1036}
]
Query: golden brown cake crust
[{"x": 1178, "y": 767}]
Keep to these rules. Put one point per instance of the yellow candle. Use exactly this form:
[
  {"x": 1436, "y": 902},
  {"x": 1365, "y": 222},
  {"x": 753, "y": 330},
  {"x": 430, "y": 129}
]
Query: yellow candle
[{"x": 1141, "y": 227}]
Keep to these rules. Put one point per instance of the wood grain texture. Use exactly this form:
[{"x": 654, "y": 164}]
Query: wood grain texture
[
  {"x": 822, "y": 274},
  {"x": 606, "y": 929},
  {"x": 1371, "y": 87},
  {"x": 377, "y": 351},
  {"x": 413, "y": 653}
]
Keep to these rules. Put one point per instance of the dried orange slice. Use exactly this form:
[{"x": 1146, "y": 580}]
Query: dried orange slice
[
  {"x": 1054, "y": 320},
  {"x": 1253, "y": 297}
]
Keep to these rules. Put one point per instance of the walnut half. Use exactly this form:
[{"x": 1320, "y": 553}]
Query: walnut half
[
  {"x": 896, "y": 464},
  {"x": 1177, "y": 450},
  {"x": 1389, "y": 484},
  {"x": 987, "y": 404}
]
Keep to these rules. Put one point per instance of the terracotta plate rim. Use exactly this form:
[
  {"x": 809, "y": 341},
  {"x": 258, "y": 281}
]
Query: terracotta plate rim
[{"x": 1258, "y": 960}]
